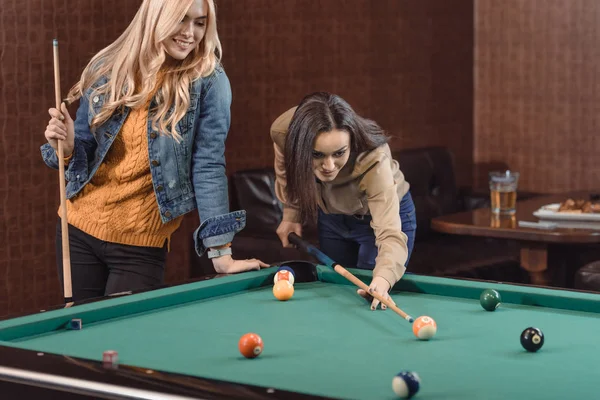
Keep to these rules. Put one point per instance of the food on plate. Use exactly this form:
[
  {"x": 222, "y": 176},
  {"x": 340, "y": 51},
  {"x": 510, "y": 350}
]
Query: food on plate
[{"x": 579, "y": 206}]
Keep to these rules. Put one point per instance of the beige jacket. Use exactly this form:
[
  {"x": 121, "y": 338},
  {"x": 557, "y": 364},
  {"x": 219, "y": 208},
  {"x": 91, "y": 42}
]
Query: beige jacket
[{"x": 370, "y": 183}]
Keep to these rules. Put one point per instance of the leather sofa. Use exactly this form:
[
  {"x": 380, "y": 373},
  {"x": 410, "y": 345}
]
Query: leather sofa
[
  {"x": 431, "y": 173},
  {"x": 588, "y": 277}
]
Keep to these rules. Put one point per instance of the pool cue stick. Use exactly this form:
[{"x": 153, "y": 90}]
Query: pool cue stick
[
  {"x": 67, "y": 286},
  {"x": 322, "y": 257}
]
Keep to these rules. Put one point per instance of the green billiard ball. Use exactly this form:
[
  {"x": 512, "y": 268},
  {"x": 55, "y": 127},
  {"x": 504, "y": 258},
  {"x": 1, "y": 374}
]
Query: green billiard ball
[{"x": 490, "y": 299}]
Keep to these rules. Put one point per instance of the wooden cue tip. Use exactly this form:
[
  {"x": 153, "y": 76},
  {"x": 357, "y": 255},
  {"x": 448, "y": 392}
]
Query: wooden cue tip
[{"x": 54, "y": 42}]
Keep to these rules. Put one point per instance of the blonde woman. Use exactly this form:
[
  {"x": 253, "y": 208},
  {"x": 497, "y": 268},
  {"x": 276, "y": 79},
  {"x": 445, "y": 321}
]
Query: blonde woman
[{"x": 145, "y": 148}]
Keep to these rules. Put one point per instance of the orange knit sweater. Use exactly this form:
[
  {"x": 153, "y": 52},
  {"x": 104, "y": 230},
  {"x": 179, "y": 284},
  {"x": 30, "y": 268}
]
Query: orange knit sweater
[{"x": 118, "y": 205}]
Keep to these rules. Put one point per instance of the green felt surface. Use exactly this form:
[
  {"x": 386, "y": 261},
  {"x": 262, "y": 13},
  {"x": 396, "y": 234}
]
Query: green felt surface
[{"x": 326, "y": 341}]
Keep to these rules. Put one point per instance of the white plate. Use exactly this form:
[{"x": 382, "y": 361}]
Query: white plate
[{"x": 550, "y": 212}]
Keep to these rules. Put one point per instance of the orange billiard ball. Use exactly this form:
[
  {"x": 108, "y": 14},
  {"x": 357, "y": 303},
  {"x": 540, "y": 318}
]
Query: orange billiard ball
[
  {"x": 283, "y": 290},
  {"x": 284, "y": 274},
  {"x": 250, "y": 345},
  {"x": 424, "y": 327}
]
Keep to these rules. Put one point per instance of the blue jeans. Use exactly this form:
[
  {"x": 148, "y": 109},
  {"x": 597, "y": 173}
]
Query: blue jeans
[{"x": 350, "y": 241}]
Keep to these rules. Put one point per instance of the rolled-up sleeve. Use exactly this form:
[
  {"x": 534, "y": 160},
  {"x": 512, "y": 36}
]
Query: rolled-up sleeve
[{"x": 217, "y": 225}]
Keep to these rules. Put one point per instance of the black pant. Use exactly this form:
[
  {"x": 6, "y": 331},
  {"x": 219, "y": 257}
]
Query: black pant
[{"x": 100, "y": 268}]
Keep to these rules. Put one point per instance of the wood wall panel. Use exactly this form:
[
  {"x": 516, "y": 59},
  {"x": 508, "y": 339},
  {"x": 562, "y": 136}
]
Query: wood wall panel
[
  {"x": 407, "y": 65},
  {"x": 537, "y": 91}
]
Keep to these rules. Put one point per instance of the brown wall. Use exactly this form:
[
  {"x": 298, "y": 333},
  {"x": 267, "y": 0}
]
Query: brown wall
[
  {"x": 537, "y": 91},
  {"x": 407, "y": 65}
]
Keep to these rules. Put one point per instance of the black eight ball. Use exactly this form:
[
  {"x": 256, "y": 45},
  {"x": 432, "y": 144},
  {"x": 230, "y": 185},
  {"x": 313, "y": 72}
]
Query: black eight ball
[{"x": 532, "y": 339}]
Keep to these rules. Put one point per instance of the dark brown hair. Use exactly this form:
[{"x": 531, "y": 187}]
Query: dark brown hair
[{"x": 321, "y": 112}]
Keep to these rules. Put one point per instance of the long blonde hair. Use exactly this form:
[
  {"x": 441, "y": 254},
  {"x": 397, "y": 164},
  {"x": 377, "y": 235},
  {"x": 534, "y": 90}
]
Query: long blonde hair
[{"x": 133, "y": 65}]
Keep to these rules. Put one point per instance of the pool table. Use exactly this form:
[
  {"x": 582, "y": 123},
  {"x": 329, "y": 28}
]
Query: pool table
[{"x": 181, "y": 342}]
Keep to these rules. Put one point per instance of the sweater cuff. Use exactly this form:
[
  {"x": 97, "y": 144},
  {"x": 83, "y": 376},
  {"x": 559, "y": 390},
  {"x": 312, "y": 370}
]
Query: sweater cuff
[
  {"x": 291, "y": 214},
  {"x": 392, "y": 275},
  {"x": 67, "y": 159}
]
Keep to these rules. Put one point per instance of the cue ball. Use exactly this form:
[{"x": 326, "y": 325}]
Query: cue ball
[
  {"x": 424, "y": 327},
  {"x": 490, "y": 299},
  {"x": 250, "y": 345},
  {"x": 406, "y": 384},
  {"x": 532, "y": 339},
  {"x": 283, "y": 290}
]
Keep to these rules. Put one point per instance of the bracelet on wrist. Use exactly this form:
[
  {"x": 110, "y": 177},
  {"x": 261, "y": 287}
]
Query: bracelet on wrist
[{"x": 213, "y": 252}]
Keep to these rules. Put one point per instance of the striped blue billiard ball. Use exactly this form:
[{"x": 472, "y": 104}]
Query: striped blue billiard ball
[{"x": 406, "y": 384}]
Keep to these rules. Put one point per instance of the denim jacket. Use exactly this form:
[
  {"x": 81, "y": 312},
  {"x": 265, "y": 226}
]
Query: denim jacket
[{"x": 186, "y": 175}]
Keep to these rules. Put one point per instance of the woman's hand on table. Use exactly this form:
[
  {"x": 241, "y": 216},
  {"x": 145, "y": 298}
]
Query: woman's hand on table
[
  {"x": 227, "y": 265},
  {"x": 382, "y": 287}
]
